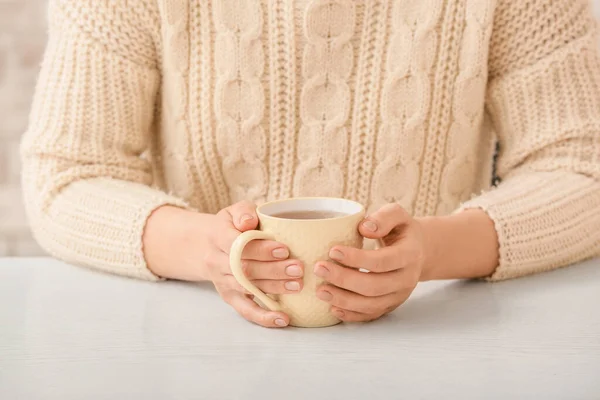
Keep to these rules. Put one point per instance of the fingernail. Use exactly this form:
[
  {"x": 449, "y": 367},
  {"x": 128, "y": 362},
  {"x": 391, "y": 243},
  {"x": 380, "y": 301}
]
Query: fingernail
[
  {"x": 336, "y": 255},
  {"x": 281, "y": 253},
  {"x": 370, "y": 226},
  {"x": 245, "y": 217},
  {"x": 338, "y": 313},
  {"x": 292, "y": 286},
  {"x": 280, "y": 322},
  {"x": 294, "y": 271},
  {"x": 324, "y": 295},
  {"x": 321, "y": 271}
]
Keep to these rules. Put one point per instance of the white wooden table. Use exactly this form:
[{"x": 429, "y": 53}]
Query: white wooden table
[{"x": 70, "y": 333}]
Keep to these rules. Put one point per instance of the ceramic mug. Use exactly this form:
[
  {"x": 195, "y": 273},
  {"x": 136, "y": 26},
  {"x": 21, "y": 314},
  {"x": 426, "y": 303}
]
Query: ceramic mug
[{"x": 310, "y": 227}]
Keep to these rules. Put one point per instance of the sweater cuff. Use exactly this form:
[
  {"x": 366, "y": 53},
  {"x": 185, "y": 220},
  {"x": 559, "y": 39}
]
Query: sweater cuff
[
  {"x": 544, "y": 220},
  {"x": 100, "y": 223}
]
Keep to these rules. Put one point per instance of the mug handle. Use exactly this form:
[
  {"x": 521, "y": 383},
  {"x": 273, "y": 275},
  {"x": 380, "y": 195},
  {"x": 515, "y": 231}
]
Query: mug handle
[{"x": 235, "y": 262}]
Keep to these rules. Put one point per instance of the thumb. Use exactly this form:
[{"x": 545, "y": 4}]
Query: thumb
[
  {"x": 243, "y": 216},
  {"x": 379, "y": 224}
]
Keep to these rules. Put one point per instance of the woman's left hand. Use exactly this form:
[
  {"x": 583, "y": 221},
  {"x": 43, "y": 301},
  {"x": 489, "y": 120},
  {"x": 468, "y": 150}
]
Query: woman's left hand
[{"x": 394, "y": 270}]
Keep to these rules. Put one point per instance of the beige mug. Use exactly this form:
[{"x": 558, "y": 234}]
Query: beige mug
[{"x": 309, "y": 227}]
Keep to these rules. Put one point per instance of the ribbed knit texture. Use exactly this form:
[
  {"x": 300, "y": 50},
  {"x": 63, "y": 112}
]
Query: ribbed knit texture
[{"x": 201, "y": 104}]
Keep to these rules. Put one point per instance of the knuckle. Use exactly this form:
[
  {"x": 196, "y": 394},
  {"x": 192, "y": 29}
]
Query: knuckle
[
  {"x": 207, "y": 260},
  {"x": 396, "y": 207},
  {"x": 229, "y": 284},
  {"x": 373, "y": 317},
  {"x": 367, "y": 309},
  {"x": 371, "y": 307},
  {"x": 389, "y": 309},
  {"x": 226, "y": 295},
  {"x": 399, "y": 211},
  {"x": 264, "y": 320},
  {"x": 394, "y": 284},
  {"x": 405, "y": 284},
  {"x": 210, "y": 260},
  {"x": 390, "y": 209},
  {"x": 257, "y": 249},
  {"x": 341, "y": 300},
  {"x": 371, "y": 290},
  {"x": 270, "y": 287},
  {"x": 263, "y": 248},
  {"x": 389, "y": 261},
  {"x": 245, "y": 205},
  {"x": 246, "y": 269},
  {"x": 363, "y": 318},
  {"x": 246, "y": 313},
  {"x": 337, "y": 275},
  {"x": 237, "y": 287},
  {"x": 381, "y": 307},
  {"x": 377, "y": 262},
  {"x": 352, "y": 257}
]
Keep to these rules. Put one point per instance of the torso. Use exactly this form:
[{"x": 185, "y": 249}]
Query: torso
[{"x": 376, "y": 101}]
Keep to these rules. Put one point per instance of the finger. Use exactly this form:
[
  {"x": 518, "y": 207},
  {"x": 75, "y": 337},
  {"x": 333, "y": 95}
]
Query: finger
[
  {"x": 370, "y": 285},
  {"x": 351, "y": 301},
  {"x": 243, "y": 215},
  {"x": 353, "y": 316},
  {"x": 265, "y": 250},
  {"x": 292, "y": 286},
  {"x": 279, "y": 287},
  {"x": 260, "y": 250},
  {"x": 229, "y": 283},
  {"x": 251, "y": 311},
  {"x": 379, "y": 224},
  {"x": 381, "y": 260},
  {"x": 237, "y": 218},
  {"x": 275, "y": 270}
]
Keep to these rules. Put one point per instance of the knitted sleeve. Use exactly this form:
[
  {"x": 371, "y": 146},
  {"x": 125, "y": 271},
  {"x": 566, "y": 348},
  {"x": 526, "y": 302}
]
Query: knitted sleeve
[
  {"x": 544, "y": 101},
  {"x": 86, "y": 182}
]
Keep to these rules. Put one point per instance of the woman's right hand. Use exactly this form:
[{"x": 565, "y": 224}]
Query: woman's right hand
[{"x": 185, "y": 245}]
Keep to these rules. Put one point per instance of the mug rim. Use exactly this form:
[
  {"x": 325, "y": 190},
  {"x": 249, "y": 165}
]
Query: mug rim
[{"x": 361, "y": 208}]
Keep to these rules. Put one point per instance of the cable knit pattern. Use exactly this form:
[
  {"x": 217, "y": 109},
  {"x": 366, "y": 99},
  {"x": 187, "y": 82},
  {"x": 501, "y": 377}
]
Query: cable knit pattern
[
  {"x": 239, "y": 97},
  {"x": 469, "y": 95},
  {"x": 283, "y": 94},
  {"x": 405, "y": 101},
  {"x": 325, "y": 98},
  {"x": 176, "y": 61},
  {"x": 368, "y": 87},
  {"x": 200, "y": 104},
  {"x": 203, "y": 88},
  {"x": 210, "y": 192},
  {"x": 432, "y": 163}
]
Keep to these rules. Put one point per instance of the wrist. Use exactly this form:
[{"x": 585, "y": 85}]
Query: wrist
[
  {"x": 171, "y": 241},
  {"x": 430, "y": 227},
  {"x": 459, "y": 246}
]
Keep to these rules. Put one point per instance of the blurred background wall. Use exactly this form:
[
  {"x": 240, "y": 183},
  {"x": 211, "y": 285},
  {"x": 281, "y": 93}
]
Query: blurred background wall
[{"x": 22, "y": 40}]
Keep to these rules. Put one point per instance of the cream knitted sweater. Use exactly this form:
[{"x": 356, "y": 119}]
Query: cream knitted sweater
[{"x": 142, "y": 103}]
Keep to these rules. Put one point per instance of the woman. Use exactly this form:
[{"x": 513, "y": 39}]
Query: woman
[{"x": 158, "y": 125}]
